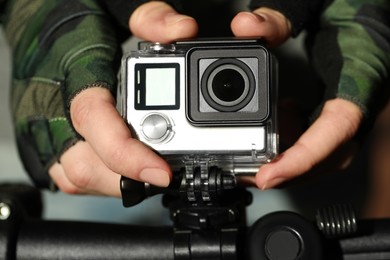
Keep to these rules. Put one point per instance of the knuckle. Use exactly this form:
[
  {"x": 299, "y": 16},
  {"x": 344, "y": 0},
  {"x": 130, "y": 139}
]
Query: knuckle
[
  {"x": 59, "y": 178},
  {"x": 80, "y": 174},
  {"x": 127, "y": 158},
  {"x": 118, "y": 158},
  {"x": 68, "y": 188},
  {"x": 80, "y": 112},
  {"x": 307, "y": 158}
]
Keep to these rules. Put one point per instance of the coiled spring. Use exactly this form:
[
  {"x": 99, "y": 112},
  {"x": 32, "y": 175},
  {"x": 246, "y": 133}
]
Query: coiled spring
[{"x": 337, "y": 221}]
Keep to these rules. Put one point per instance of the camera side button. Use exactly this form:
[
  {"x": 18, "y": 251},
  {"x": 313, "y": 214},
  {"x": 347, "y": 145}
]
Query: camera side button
[{"x": 156, "y": 127}]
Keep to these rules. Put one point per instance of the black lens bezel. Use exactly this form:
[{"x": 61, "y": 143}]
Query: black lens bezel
[{"x": 263, "y": 83}]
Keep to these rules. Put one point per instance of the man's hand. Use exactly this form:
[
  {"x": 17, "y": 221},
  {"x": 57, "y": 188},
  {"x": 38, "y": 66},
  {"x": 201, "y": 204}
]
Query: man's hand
[
  {"x": 95, "y": 166},
  {"x": 336, "y": 125}
]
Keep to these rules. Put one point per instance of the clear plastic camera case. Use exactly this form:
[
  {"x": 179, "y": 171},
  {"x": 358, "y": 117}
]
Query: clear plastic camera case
[{"x": 203, "y": 101}]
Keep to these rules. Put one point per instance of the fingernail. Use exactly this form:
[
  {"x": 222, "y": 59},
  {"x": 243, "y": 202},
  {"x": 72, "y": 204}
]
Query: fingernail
[
  {"x": 174, "y": 18},
  {"x": 272, "y": 183},
  {"x": 260, "y": 17},
  {"x": 155, "y": 177}
]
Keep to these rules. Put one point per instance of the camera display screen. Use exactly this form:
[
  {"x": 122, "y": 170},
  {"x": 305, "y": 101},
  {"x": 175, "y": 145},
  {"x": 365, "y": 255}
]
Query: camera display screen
[
  {"x": 157, "y": 86},
  {"x": 160, "y": 86}
]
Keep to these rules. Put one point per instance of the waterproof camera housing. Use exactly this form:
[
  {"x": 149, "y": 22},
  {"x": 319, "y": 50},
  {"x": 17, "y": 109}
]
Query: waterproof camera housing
[{"x": 210, "y": 102}]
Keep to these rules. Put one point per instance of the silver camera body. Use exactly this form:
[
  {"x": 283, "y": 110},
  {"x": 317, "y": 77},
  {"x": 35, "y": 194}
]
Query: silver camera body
[{"x": 209, "y": 102}]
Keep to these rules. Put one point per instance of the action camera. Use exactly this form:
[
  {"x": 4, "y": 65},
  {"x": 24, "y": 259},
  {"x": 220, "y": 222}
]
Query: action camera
[{"x": 210, "y": 101}]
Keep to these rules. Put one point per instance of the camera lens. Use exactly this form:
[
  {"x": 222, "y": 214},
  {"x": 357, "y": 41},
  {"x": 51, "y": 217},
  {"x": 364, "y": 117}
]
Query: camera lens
[{"x": 228, "y": 85}]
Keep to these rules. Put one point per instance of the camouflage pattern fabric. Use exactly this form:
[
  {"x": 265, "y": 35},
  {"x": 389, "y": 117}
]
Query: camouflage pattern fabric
[{"x": 351, "y": 52}]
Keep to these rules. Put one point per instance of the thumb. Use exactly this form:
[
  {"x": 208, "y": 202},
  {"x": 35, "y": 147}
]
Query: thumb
[
  {"x": 336, "y": 125},
  {"x": 272, "y": 25},
  {"x": 159, "y": 22}
]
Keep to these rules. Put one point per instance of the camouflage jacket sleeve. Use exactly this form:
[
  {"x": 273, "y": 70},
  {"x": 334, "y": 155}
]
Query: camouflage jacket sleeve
[
  {"x": 59, "y": 48},
  {"x": 299, "y": 12},
  {"x": 351, "y": 52}
]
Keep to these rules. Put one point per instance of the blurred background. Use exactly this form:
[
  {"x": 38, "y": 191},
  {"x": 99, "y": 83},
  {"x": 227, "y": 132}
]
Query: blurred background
[{"x": 305, "y": 197}]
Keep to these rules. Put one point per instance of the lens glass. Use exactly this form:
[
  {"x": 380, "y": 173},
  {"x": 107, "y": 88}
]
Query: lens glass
[{"x": 228, "y": 85}]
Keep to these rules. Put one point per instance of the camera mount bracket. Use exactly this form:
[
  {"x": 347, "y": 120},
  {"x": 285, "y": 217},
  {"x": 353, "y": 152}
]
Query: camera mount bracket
[
  {"x": 197, "y": 183},
  {"x": 197, "y": 196},
  {"x": 203, "y": 184}
]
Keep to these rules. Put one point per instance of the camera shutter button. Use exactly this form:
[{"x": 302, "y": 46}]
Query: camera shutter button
[
  {"x": 156, "y": 127},
  {"x": 157, "y": 47}
]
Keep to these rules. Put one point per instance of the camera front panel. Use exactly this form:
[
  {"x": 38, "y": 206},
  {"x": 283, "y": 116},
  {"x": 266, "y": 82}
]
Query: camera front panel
[{"x": 235, "y": 130}]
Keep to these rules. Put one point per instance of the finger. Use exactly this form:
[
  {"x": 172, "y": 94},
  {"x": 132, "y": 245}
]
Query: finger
[
  {"x": 273, "y": 26},
  {"x": 337, "y": 124},
  {"x": 84, "y": 169},
  {"x": 95, "y": 117},
  {"x": 57, "y": 174},
  {"x": 159, "y": 22}
]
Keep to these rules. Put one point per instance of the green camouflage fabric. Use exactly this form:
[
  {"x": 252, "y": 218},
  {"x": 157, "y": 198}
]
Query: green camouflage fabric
[
  {"x": 351, "y": 52},
  {"x": 59, "y": 48}
]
